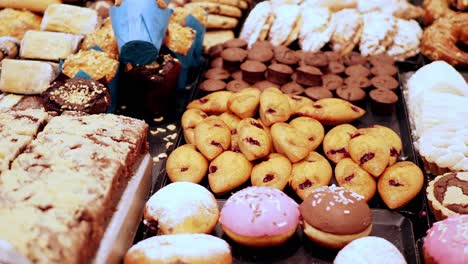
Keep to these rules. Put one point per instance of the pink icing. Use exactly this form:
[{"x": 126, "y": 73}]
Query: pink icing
[
  {"x": 447, "y": 240},
  {"x": 260, "y": 211}
]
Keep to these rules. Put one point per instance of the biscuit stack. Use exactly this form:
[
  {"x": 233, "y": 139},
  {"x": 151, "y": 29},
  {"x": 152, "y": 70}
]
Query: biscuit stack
[{"x": 223, "y": 17}]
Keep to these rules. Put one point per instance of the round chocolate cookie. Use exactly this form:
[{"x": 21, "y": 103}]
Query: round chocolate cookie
[
  {"x": 215, "y": 51},
  {"x": 332, "y": 81},
  {"x": 263, "y": 85},
  {"x": 263, "y": 44},
  {"x": 385, "y": 82},
  {"x": 279, "y": 73},
  {"x": 236, "y": 85},
  {"x": 317, "y": 59},
  {"x": 309, "y": 76},
  {"x": 212, "y": 85},
  {"x": 354, "y": 58},
  {"x": 286, "y": 56},
  {"x": 253, "y": 71},
  {"x": 357, "y": 70},
  {"x": 260, "y": 54},
  {"x": 358, "y": 81},
  {"x": 383, "y": 101},
  {"x": 217, "y": 63},
  {"x": 217, "y": 74},
  {"x": 232, "y": 58},
  {"x": 77, "y": 94},
  {"x": 381, "y": 59},
  {"x": 235, "y": 43},
  {"x": 317, "y": 93},
  {"x": 354, "y": 95},
  {"x": 333, "y": 56},
  {"x": 384, "y": 69},
  {"x": 237, "y": 75},
  {"x": 292, "y": 88},
  {"x": 335, "y": 67}
]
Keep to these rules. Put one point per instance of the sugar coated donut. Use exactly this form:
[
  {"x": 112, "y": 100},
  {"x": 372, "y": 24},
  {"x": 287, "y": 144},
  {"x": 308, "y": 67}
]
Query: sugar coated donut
[
  {"x": 369, "y": 250},
  {"x": 259, "y": 217},
  {"x": 447, "y": 241},
  {"x": 333, "y": 216},
  {"x": 182, "y": 207},
  {"x": 180, "y": 248}
]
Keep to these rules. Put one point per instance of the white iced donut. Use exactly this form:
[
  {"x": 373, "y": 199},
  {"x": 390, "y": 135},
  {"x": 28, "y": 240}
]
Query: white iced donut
[{"x": 369, "y": 250}]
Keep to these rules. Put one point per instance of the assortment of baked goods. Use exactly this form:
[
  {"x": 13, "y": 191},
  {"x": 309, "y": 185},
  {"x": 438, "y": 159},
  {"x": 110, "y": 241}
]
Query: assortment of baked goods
[{"x": 373, "y": 28}]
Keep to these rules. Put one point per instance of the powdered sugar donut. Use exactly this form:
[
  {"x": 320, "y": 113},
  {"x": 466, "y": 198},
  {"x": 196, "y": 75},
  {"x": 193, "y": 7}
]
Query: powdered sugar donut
[
  {"x": 180, "y": 248},
  {"x": 260, "y": 216},
  {"x": 182, "y": 207},
  {"x": 369, "y": 250},
  {"x": 447, "y": 241}
]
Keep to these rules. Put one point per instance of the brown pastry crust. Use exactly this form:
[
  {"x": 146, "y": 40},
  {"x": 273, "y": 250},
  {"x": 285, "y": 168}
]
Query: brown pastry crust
[
  {"x": 437, "y": 192},
  {"x": 77, "y": 94}
]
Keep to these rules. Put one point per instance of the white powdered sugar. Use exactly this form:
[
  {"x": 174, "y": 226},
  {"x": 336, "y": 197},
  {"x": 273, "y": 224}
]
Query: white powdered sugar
[
  {"x": 181, "y": 245},
  {"x": 179, "y": 200}
]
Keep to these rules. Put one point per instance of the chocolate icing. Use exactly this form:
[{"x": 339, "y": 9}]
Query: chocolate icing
[
  {"x": 440, "y": 188},
  {"x": 336, "y": 210}
]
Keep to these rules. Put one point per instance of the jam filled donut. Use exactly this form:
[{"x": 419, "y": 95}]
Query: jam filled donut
[
  {"x": 171, "y": 211},
  {"x": 180, "y": 248},
  {"x": 260, "y": 217},
  {"x": 333, "y": 216}
]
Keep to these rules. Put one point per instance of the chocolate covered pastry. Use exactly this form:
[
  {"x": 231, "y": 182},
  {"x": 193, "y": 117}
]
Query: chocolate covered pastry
[
  {"x": 77, "y": 94},
  {"x": 155, "y": 84}
]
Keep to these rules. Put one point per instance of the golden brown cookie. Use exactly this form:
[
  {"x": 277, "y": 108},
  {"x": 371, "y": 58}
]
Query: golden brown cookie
[
  {"x": 179, "y": 39},
  {"x": 350, "y": 176},
  {"x": 228, "y": 171},
  {"x": 215, "y": 37},
  {"x": 332, "y": 111},
  {"x": 239, "y": 3},
  {"x": 273, "y": 172},
  {"x": 185, "y": 163},
  {"x": 370, "y": 152},
  {"x": 190, "y": 120},
  {"x": 254, "y": 140},
  {"x": 245, "y": 103},
  {"x": 390, "y": 137},
  {"x": 212, "y": 137},
  {"x": 221, "y": 22},
  {"x": 400, "y": 183},
  {"x": 230, "y": 120},
  {"x": 290, "y": 141},
  {"x": 214, "y": 103},
  {"x": 296, "y": 102},
  {"x": 274, "y": 106},
  {"x": 217, "y": 9},
  {"x": 335, "y": 142},
  {"x": 311, "y": 173},
  {"x": 310, "y": 127}
]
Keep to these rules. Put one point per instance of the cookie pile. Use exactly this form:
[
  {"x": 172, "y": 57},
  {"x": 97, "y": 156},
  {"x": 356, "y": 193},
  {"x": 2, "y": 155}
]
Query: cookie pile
[
  {"x": 373, "y": 31},
  {"x": 223, "y": 17},
  {"x": 318, "y": 75},
  {"x": 365, "y": 155}
]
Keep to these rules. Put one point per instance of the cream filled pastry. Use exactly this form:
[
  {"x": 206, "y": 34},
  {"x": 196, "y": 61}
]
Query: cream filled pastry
[
  {"x": 260, "y": 216},
  {"x": 316, "y": 29},
  {"x": 286, "y": 18}
]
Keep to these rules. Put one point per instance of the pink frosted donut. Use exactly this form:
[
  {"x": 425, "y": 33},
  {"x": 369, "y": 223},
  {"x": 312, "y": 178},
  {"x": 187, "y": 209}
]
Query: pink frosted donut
[
  {"x": 447, "y": 241},
  {"x": 260, "y": 216}
]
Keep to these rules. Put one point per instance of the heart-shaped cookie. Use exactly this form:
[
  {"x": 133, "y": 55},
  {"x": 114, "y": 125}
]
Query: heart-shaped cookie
[
  {"x": 310, "y": 127},
  {"x": 185, "y": 163},
  {"x": 370, "y": 152},
  {"x": 332, "y": 111},
  {"x": 228, "y": 171},
  {"x": 213, "y": 104},
  {"x": 230, "y": 119},
  {"x": 335, "y": 142},
  {"x": 212, "y": 137},
  {"x": 290, "y": 141},
  {"x": 311, "y": 173},
  {"x": 297, "y": 101},
  {"x": 273, "y": 172},
  {"x": 400, "y": 183},
  {"x": 245, "y": 103},
  {"x": 190, "y": 119},
  {"x": 274, "y": 106},
  {"x": 390, "y": 137},
  {"x": 253, "y": 141},
  {"x": 352, "y": 177}
]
